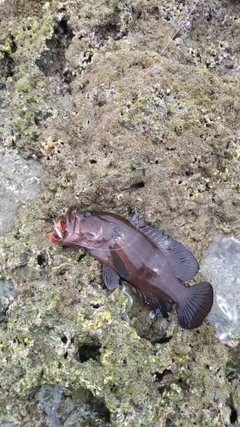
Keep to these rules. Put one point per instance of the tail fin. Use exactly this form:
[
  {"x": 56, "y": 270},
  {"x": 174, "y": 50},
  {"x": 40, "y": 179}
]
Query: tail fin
[{"x": 196, "y": 306}]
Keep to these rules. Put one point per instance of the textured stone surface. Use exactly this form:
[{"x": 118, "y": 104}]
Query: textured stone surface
[
  {"x": 116, "y": 127},
  {"x": 221, "y": 265}
]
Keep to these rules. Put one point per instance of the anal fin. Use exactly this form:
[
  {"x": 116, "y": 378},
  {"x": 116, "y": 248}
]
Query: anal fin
[{"x": 161, "y": 305}]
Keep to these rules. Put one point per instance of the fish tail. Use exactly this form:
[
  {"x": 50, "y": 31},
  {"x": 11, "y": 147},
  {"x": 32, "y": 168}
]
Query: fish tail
[{"x": 196, "y": 305}]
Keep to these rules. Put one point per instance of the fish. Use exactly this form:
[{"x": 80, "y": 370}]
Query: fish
[{"x": 136, "y": 251}]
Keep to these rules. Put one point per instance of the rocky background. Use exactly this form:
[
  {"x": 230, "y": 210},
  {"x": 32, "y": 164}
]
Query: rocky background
[{"x": 92, "y": 116}]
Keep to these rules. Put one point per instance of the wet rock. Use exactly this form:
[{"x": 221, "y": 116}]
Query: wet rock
[
  {"x": 57, "y": 404},
  {"x": 19, "y": 184},
  {"x": 7, "y": 295},
  {"x": 221, "y": 266}
]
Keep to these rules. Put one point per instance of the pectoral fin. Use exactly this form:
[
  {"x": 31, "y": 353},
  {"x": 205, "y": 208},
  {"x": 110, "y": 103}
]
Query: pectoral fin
[
  {"x": 110, "y": 278},
  {"x": 119, "y": 264}
]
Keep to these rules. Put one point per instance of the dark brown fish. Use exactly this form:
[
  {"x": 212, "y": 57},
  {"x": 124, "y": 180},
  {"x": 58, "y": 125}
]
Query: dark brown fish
[{"x": 138, "y": 252}]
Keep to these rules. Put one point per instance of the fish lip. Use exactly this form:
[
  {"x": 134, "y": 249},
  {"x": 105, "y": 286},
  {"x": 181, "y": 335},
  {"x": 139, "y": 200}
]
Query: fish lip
[
  {"x": 59, "y": 229},
  {"x": 70, "y": 225}
]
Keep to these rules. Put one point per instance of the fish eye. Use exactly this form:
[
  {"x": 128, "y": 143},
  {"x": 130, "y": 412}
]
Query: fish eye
[{"x": 87, "y": 214}]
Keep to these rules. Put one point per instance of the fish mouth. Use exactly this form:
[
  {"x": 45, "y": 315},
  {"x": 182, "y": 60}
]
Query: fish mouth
[
  {"x": 70, "y": 225},
  {"x": 59, "y": 229}
]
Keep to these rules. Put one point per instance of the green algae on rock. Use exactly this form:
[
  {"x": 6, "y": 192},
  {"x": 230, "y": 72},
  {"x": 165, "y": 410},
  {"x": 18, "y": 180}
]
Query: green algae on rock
[{"x": 66, "y": 67}]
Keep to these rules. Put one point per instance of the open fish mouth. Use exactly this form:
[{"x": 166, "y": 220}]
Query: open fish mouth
[{"x": 59, "y": 229}]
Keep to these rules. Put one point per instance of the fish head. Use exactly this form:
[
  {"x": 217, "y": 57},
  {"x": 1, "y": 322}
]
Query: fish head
[{"x": 88, "y": 230}]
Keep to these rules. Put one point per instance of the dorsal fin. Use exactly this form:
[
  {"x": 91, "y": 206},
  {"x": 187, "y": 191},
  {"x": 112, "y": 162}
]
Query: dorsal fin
[{"x": 183, "y": 262}]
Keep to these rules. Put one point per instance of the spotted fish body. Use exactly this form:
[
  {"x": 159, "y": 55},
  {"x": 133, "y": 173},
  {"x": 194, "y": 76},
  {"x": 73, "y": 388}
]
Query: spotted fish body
[{"x": 138, "y": 252}]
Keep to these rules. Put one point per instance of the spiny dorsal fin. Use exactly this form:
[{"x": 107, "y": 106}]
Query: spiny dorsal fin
[{"x": 183, "y": 262}]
